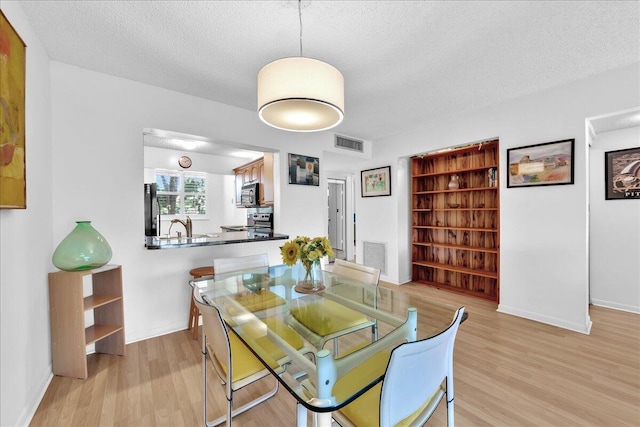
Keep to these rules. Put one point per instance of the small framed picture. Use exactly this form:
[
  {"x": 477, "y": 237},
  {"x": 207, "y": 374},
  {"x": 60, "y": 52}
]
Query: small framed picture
[
  {"x": 550, "y": 163},
  {"x": 376, "y": 182},
  {"x": 622, "y": 174},
  {"x": 304, "y": 170}
]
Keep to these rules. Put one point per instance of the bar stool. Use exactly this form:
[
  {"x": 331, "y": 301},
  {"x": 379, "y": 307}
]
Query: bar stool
[{"x": 194, "y": 313}]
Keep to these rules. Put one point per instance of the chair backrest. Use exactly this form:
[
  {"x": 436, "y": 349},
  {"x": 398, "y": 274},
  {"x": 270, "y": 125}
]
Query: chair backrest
[
  {"x": 215, "y": 339},
  {"x": 228, "y": 265},
  {"x": 355, "y": 271},
  {"x": 415, "y": 372}
]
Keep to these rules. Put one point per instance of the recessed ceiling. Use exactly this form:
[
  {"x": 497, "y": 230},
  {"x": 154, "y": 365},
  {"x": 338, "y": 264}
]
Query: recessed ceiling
[
  {"x": 183, "y": 142},
  {"x": 403, "y": 61}
]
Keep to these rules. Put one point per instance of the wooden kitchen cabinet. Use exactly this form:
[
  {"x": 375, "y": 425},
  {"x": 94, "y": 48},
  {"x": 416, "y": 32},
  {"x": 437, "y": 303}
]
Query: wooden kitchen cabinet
[
  {"x": 67, "y": 306},
  {"x": 261, "y": 171},
  {"x": 266, "y": 180},
  {"x": 455, "y": 232}
]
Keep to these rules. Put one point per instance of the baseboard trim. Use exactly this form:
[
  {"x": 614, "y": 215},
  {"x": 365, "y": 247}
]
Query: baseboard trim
[
  {"x": 616, "y": 306},
  {"x": 553, "y": 321},
  {"x": 28, "y": 412}
]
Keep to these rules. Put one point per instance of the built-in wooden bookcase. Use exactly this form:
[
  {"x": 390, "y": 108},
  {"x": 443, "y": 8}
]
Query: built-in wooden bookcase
[{"x": 455, "y": 232}]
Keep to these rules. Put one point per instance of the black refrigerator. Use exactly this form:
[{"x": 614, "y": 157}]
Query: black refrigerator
[{"x": 151, "y": 214}]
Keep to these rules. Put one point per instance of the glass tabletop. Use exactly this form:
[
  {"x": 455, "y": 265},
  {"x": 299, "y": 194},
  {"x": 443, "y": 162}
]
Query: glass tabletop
[{"x": 262, "y": 307}]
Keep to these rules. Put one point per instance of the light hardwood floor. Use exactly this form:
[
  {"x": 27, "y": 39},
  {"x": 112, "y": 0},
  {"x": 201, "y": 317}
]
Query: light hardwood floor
[{"x": 508, "y": 372}]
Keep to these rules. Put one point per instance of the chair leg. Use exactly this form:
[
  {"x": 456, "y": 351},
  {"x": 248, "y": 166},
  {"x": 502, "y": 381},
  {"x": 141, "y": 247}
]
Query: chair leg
[
  {"x": 450, "y": 412},
  {"x": 243, "y": 408},
  {"x": 194, "y": 319},
  {"x": 191, "y": 306},
  {"x": 204, "y": 379}
]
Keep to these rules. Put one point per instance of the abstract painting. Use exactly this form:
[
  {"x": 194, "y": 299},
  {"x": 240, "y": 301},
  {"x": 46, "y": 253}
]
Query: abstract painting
[{"x": 13, "y": 185}]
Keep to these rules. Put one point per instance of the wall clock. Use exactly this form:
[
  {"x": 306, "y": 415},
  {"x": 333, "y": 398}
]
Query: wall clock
[{"x": 184, "y": 162}]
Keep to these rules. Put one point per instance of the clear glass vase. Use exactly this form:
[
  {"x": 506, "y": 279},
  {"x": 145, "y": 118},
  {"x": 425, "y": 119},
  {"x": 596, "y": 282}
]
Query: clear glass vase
[
  {"x": 83, "y": 249},
  {"x": 312, "y": 279}
]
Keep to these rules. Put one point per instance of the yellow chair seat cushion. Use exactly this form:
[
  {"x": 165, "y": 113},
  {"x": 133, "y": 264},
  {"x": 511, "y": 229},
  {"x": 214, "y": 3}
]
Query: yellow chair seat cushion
[
  {"x": 362, "y": 375},
  {"x": 283, "y": 331},
  {"x": 327, "y": 317},
  {"x": 256, "y": 332},
  {"x": 260, "y": 300},
  {"x": 245, "y": 363}
]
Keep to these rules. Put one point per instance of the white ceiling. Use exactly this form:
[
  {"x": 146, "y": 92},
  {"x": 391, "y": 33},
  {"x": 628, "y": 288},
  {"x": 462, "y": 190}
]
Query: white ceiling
[{"x": 402, "y": 61}]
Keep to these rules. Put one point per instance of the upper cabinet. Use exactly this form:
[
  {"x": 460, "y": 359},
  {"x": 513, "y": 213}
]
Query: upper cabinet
[
  {"x": 261, "y": 171},
  {"x": 455, "y": 220}
]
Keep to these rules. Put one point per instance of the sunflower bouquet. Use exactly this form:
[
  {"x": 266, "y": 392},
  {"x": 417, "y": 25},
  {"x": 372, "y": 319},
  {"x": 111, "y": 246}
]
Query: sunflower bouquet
[{"x": 308, "y": 251}]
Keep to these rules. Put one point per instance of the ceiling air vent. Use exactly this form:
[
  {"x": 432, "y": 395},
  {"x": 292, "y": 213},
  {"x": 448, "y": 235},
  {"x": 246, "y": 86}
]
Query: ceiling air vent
[{"x": 349, "y": 144}]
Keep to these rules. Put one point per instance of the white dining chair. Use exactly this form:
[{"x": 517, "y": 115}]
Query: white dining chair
[
  {"x": 418, "y": 375},
  {"x": 233, "y": 362},
  {"x": 327, "y": 320}
]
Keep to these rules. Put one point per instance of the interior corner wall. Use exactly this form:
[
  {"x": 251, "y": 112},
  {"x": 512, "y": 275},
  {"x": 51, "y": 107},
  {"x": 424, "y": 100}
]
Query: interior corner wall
[
  {"x": 614, "y": 231},
  {"x": 25, "y": 248},
  {"x": 543, "y": 230}
]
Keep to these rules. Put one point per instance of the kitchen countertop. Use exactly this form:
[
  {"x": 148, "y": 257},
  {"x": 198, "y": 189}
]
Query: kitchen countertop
[{"x": 210, "y": 239}]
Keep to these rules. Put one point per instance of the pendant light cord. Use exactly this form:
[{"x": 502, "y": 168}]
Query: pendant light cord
[{"x": 300, "y": 18}]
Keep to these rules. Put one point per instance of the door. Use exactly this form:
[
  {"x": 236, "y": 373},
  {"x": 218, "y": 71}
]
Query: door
[{"x": 336, "y": 219}]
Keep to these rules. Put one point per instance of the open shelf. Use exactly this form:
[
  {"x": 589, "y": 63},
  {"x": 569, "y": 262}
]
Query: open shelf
[
  {"x": 94, "y": 301},
  {"x": 97, "y": 332},
  {"x": 458, "y": 247},
  {"x": 465, "y": 270}
]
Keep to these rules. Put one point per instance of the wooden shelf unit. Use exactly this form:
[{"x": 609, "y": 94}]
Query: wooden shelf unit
[
  {"x": 67, "y": 307},
  {"x": 455, "y": 233}
]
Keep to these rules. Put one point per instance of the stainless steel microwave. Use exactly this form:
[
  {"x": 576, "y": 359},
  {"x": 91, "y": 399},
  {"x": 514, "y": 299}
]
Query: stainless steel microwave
[{"x": 250, "y": 195}]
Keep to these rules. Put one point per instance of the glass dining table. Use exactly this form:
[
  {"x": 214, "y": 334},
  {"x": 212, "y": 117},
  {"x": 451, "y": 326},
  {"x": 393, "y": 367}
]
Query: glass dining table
[{"x": 262, "y": 307}]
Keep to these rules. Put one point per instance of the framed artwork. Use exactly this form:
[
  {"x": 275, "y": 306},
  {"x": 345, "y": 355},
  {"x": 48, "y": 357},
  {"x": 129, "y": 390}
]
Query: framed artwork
[
  {"x": 304, "y": 170},
  {"x": 13, "y": 184},
  {"x": 376, "y": 182},
  {"x": 550, "y": 163},
  {"x": 622, "y": 174}
]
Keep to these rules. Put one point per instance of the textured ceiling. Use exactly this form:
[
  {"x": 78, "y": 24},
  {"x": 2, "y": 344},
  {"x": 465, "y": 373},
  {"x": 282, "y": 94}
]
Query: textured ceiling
[{"x": 402, "y": 61}]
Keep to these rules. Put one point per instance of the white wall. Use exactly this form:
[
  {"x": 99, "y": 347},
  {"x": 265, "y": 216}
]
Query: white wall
[
  {"x": 615, "y": 231},
  {"x": 543, "y": 262},
  {"x": 26, "y": 241}
]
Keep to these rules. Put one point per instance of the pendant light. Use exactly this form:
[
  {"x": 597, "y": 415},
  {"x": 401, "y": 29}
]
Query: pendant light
[{"x": 300, "y": 94}]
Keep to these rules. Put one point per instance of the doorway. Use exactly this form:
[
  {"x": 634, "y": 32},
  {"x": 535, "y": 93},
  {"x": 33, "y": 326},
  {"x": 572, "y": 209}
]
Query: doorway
[{"x": 336, "y": 216}]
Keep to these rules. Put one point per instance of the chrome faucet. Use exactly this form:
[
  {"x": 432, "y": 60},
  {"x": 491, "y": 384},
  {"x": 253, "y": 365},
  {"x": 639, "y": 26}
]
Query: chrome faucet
[{"x": 187, "y": 225}]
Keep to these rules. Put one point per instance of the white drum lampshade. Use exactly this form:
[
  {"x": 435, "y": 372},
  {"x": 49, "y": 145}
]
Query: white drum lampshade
[{"x": 300, "y": 94}]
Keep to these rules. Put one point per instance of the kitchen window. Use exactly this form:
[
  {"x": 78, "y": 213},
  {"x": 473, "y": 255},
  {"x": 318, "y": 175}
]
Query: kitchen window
[{"x": 181, "y": 193}]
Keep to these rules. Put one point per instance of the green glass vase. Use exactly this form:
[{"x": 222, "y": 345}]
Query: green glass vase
[{"x": 83, "y": 249}]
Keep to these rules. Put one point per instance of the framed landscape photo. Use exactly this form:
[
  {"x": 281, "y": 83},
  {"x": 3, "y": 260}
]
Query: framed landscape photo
[
  {"x": 550, "y": 163},
  {"x": 376, "y": 182},
  {"x": 304, "y": 170},
  {"x": 622, "y": 174},
  {"x": 13, "y": 182}
]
